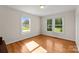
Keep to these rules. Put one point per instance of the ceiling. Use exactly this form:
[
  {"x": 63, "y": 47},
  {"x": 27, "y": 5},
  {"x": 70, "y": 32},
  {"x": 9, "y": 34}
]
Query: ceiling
[{"x": 48, "y": 10}]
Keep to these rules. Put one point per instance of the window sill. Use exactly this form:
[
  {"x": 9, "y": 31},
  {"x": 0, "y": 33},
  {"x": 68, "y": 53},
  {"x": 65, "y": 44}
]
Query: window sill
[
  {"x": 56, "y": 32},
  {"x": 59, "y": 32},
  {"x": 25, "y": 32}
]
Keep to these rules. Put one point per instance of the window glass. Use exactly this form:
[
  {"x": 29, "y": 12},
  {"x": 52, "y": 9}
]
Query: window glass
[
  {"x": 58, "y": 25},
  {"x": 49, "y": 24},
  {"x": 25, "y": 24}
]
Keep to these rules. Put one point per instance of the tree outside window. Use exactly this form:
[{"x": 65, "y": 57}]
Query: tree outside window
[
  {"x": 58, "y": 25},
  {"x": 49, "y": 24},
  {"x": 25, "y": 24}
]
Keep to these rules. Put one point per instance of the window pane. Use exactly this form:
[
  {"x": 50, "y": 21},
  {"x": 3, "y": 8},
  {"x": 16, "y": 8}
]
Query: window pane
[
  {"x": 25, "y": 24},
  {"x": 49, "y": 24},
  {"x": 58, "y": 25}
]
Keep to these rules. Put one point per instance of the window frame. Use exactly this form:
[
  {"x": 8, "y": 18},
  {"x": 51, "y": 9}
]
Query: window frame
[
  {"x": 62, "y": 25},
  {"x": 29, "y": 25},
  {"x": 53, "y": 24}
]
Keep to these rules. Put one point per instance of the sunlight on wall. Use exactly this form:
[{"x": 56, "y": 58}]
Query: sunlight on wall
[
  {"x": 32, "y": 45},
  {"x": 39, "y": 50}
]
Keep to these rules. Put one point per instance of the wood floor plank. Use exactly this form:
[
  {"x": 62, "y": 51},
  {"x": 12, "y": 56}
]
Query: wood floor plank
[{"x": 43, "y": 43}]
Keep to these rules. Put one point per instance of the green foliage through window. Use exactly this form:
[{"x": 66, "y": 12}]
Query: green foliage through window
[
  {"x": 25, "y": 24},
  {"x": 49, "y": 25},
  {"x": 58, "y": 25}
]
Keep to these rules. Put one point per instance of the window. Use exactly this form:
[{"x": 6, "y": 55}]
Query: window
[
  {"x": 49, "y": 24},
  {"x": 58, "y": 25},
  {"x": 25, "y": 24}
]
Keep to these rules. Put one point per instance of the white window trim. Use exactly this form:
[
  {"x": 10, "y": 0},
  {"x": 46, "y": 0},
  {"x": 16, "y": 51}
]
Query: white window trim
[
  {"x": 62, "y": 25},
  {"x": 46, "y": 24},
  {"x": 29, "y": 27},
  {"x": 53, "y": 25}
]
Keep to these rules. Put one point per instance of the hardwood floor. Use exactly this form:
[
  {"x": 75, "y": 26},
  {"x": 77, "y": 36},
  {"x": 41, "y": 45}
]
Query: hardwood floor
[{"x": 42, "y": 44}]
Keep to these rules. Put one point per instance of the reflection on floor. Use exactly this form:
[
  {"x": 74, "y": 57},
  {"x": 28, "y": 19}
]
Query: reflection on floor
[
  {"x": 39, "y": 50},
  {"x": 42, "y": 44}
]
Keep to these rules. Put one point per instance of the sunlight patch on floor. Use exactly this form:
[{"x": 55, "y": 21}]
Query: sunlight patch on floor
[
  {"x": 39, "y": 50},
  {"x": 32, "y": 45}
]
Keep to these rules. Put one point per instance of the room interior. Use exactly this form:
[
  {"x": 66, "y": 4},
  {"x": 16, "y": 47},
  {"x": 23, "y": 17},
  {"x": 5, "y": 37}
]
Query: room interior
[{"x": 39, "y": 28}]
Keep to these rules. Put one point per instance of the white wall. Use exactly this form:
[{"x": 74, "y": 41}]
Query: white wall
[
  {"x": 10, "y": 28},
  {"x": 77, "y": 27},
  {"x": 0, "y": 28},
  {"x": 69, "y": 25}
]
